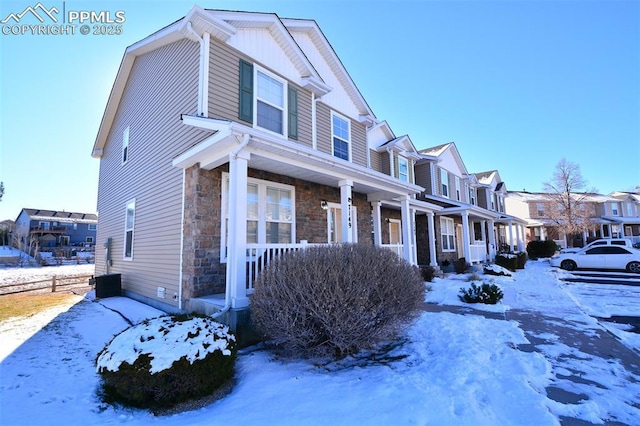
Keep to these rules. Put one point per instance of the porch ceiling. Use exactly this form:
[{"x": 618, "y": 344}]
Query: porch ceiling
[{"x": 277, "y": 155}]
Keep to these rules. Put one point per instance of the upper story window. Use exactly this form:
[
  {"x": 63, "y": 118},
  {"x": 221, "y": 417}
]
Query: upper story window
[
  {"x": 458, "y": 185},
  {"x": 275, "y": 105},
  {"x": 403, "y": 169},
  {"x": 92, "y": 227},
  {"x": 493, "y": 201},
  {"x": 444, "y": 180},
  {"x": 125, "y": 146},
  {"x": 130, "y": 213},
  {"x": 500, "y": 204},
  {"x": 341, "y": 136},
  {"x": 44, "y": 225},
  {"x": 630, "y": 209},
  {"x": 540, "y": 209},
  {"x": 472, "y": 195},
  {"x": 270, "y": 101},
  {"x": 615, "y": 209}
]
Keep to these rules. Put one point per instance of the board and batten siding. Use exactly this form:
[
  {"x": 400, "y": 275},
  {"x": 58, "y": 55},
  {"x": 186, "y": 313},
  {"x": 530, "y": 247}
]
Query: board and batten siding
[
  {"x": 224, "y": 83},
  {"x": 162, "y": 85}
]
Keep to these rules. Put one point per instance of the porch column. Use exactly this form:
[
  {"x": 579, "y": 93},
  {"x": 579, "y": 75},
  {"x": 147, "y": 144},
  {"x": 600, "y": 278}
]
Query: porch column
[
  {"x": 406, "y": 228},
  {"x": 585, "y": 236},
  {"x": 519, "y": 236},
  {"x": 492, "y": 240},
  {"x": 543, "y": 233},
  {"x": 511, "y": 235},
  {"x": 237, "y": 244},
  {"x": 465, "y": 237},
  {"x": 483, "y": 235},
  {"x": 377, "y": 224},
  {"x": 432, "y": 239},
  {"x": 414, "y": 245},
  {"x": 602, "y": 230},
  {"x": 345, "y": 205}
]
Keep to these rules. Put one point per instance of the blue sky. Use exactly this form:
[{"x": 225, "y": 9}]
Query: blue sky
[{"x": 518, "y": 85}]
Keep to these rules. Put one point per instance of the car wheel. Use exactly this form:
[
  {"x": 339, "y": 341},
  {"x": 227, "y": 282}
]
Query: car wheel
[
  {"x": 569, "y": 265},
  {"x": 634, "y": 267}
]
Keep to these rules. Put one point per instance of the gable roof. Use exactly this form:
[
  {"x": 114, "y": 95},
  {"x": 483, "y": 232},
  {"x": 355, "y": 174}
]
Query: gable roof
[
  {"x": 440, "y": 150},
  {"x": 223, "y": 25},
  {"x": 60, "y": 216}
]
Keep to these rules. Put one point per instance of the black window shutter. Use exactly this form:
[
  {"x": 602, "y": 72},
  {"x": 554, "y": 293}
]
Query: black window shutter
[
  {"x": 245, "y": 110},
  {"x": 293, "y": 113}
]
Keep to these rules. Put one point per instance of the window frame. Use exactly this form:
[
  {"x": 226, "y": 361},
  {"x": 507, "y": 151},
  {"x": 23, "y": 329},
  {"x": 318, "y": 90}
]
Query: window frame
[
  {"x": 92, "y": 227},
  {"x": 615, "y": 209},
  {"x": 473, "y": 196},
  {"x": 444, "y": 183},
  {"x": 262, "y": 220},
  {"x": 447, "y": 237},
  {"x": 257, "y": 69},
  {"x": 340, "y": 138},
  {"x": 132, "y": 203},
  {"x": 125, "y": 146},
  {"x": 401, "y": 175},
  {"x": 458, "y": 188}
]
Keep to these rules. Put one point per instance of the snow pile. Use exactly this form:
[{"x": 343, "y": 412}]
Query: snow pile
[
  {"x": 19, "y": 275},
  {"x": 163, "y": 339}
]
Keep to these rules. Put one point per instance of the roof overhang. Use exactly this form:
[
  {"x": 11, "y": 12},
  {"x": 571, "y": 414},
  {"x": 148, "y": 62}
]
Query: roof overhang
[{"x": 275, "y": 154}]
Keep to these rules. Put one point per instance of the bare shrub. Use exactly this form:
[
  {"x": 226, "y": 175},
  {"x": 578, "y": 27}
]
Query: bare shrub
[{"x": 336, "y": 300}]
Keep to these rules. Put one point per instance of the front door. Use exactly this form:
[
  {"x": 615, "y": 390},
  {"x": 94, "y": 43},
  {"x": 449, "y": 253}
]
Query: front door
[
  {"x": 334, "y": 223},
  {"x": 395, "y": 231}
]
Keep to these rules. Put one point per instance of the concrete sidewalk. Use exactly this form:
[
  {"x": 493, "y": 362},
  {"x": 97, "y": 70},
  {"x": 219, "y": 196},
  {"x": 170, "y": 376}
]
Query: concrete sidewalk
[{"x": 569, "y": 345}]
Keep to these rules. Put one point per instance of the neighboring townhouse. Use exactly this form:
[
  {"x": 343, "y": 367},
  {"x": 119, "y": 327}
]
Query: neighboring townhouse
[
  {"x": 52, "y": 228},
  {"x": 610, "y": 216},
  {"x": 231, "y": 137},
  {"x": 471, "y": 221},
  {"x": 622, "y": 210}
]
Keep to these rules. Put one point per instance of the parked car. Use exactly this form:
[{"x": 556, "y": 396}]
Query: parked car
[
  {"x": 624, "y": 242},
  {"x": 608, "y": 256}
]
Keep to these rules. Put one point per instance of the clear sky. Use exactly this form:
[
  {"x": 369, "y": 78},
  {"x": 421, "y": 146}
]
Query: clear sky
[{"x": 518, "y": 85}]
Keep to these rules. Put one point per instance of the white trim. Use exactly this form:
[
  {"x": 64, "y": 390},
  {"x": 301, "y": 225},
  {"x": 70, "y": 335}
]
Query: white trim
[
  {"x": 406, "y": 161},
  {"x": 333, "y": 135},
  {"x": 184, "y": 179},
  {"x": 399, "y": 223},
  {"x": 449, "y": 221},
  {"x": 133, "y": 226},
  {"x": 444, "y": 182},
  {"x": 262, "y": 213},
  {"x": 285, "y": 100}
]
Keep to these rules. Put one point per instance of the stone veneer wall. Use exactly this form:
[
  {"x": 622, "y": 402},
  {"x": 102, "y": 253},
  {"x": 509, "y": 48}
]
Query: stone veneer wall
[{"x": 202, "y": 272}]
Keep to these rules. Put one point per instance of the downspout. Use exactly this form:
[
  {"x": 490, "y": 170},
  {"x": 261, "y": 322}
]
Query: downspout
[
  {"x": 227, "y": 291},
  {"x": 184, "y": 173},
  {"x": 202, "y": 68}
]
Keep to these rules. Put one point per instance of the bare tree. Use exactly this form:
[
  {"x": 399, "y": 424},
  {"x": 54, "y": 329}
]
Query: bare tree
[
  {"x": 1, "y": 190},
  {"x": 567, "y": 199}
]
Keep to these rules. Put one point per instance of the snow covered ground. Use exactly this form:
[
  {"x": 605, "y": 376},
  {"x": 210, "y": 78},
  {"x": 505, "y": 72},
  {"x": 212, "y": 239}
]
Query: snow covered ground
[{"x": 466, "y": 365}]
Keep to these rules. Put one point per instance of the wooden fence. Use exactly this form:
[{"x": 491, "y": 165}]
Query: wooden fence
[{"x": 52, "y": 284}]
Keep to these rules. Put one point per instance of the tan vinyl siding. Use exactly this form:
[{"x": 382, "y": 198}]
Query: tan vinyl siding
[
  {"x": 423, "y": 177},
  {"x": 376, "y": 160},
  {"x": 304, "y": 116},
  {"x": 161, "y": 87},
  {"x": 386, "y": 163},
  {"x": 323, "y": 130},
  {"x": 358, "y": 143},
  {"x": 224, "y": 80}
]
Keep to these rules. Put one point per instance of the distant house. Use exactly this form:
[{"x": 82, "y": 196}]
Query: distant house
[
  {"x": 616, "y": 215},
  {"x": 56, "y": 228}
]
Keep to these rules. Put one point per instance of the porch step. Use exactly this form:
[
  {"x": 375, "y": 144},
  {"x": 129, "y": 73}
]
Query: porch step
[{"x": 207, "y": 305}]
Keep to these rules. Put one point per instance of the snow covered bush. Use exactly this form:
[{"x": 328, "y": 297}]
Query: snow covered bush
[
  {"x": 489, "y": 294},
  {"x": 507, "y": 260},
  {"x": 496, "y": 270},
  {"x": 335, "y": 300},
  {"x": 167, "y": 360}
]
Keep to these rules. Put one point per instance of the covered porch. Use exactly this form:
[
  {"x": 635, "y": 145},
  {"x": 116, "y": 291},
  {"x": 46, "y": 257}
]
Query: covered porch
[{"x": 259, "y": 224}]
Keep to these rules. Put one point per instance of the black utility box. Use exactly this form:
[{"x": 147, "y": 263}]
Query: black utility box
[{"x": 108, "y": 285}]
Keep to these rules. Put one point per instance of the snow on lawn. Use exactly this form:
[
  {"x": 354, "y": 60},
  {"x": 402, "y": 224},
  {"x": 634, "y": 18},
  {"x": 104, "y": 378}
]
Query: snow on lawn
[
  {"x": 447, "y": 369},
  {"x": 36, "y": 273}
]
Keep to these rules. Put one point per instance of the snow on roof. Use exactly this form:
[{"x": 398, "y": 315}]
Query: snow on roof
[
  {"x": 61, "y": 216},
  {"x": 435, "y": 150}
]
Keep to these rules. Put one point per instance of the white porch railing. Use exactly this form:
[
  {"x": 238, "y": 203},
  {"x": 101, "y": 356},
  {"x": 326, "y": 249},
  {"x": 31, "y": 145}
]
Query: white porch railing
[
  {"x": 260, "y": 255},
  {"x": 396, "y": 248},
  {"x": 477, "y": 252}
]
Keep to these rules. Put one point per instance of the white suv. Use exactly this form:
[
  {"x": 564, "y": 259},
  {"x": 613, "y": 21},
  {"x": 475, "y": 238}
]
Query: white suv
[{"x": 624, "y": 242}]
